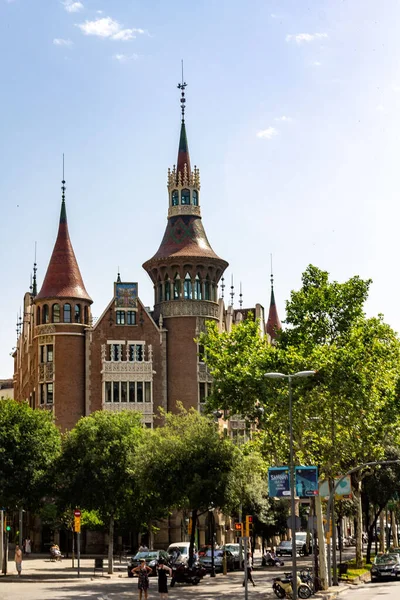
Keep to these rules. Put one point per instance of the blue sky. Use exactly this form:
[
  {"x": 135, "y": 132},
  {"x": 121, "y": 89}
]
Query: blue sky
[{"x": 292, "y": 117}]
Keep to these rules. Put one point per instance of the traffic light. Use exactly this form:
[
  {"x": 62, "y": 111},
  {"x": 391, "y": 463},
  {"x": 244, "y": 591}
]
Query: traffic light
[
  {"x": 239, "y": 529},
  {"x": 249, "y": 526},
  {"x": 190, "y": 527},
  {"x": 8, "y": 528}
]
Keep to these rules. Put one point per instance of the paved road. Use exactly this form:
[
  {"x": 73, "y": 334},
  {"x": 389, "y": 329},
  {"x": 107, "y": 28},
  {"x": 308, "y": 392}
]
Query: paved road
[{"x": 388, "y": 590}]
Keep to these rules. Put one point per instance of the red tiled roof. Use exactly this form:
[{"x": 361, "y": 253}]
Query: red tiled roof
[{"x": 63, "y": 278}]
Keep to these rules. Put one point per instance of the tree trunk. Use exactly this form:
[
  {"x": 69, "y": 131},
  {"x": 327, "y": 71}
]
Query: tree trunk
[
  {"x": 381, "y": 533},
  {"x": 394, "y": 530},
  {"x": 111, "y": 547},
  {"x": 323, "y": 570},
  {"x": 359, "y": 553},
  {"x": 192, "y": 537},
  {"x": 371, "y": 532}
]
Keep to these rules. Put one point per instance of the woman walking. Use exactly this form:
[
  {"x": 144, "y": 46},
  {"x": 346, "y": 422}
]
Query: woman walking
[
  {"x": 18, "y": 559},
  {"x": 162, "y": 571},
  {"x": 142, "y": 572}
]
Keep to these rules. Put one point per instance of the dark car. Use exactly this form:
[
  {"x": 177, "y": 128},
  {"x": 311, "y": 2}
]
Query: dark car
[
  {"x": 206, "y": 560},
  {"x": 151, "y": 557},
  {"x": 386, "y": 565},
  {"x": 285, "y": 548}
]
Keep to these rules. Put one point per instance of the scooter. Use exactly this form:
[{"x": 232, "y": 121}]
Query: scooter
[
  {"x": 282, "y": 587},
  {"x": 181, "y": 573}
]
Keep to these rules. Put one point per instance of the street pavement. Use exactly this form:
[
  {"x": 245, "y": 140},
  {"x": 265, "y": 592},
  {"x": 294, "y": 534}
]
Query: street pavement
[{"x": 385, "y": 590}]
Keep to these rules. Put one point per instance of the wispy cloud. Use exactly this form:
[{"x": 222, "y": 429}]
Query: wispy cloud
[
  {"x": 267, "y": 134},
  {"x": 316, "y": 63},
  {"x": 72, "y": 6},
  {"x": 284, "y": 119},
  {"x": 122, "y": 58},
  {"x": 380, "y": 108},
  {"x": 299, "y": 38},
  {"x": 396, "y": 87},
  {"x": 62, "y": 42},
  {"x": 109, "y": 28}
]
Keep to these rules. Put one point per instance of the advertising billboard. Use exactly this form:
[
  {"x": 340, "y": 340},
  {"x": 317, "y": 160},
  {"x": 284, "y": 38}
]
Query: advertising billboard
[
  {"x": 278, "y": 482},
  {"x": 306, "y": 482}
]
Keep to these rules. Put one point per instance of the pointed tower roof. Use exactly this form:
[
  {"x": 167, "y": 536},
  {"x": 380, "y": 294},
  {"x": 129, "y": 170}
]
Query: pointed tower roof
[
  {"x": 183, "y": 154},
  {"x": 273, "y": 323},
  {"x": 63, "y": 278}
]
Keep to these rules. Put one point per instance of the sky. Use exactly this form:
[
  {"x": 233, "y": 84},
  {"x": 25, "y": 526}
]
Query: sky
[{"x": 293, "y": 118}]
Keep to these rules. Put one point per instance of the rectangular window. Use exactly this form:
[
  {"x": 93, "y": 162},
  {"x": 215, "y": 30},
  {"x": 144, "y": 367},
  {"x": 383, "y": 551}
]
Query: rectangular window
[
  {"x": 107, "y": 394},
  {"x": 116, "y": 352},
  {"x": 132, "y": 394},
  {"x": 136, "y": 352},
  {"x": 139, "y": 391},
  {"x": 202, "y": 392},
  {"x": 42, "y": 354},
  {"x": 50, "y": 353},
  {"x": 41, "y": 393},
  {"x": 49, "y": 398},
  {"x": 120, "y": 317},
  {"x": 123, "y": 391},
  {"x": 147, "y": 391},
  {"x": 201, "y": 353},
  {"x": 116, "y": 391},
  {"x": 131, "y": 317}
]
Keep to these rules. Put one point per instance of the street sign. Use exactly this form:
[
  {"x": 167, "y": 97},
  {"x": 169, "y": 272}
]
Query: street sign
[
  {"x": 306, "y": 482},
  {"x": 343, "y": 490},
  {"x": 278, "y": 482},
  {"x": 77, "y": 513},
  {"x": 77, "y": 524}
]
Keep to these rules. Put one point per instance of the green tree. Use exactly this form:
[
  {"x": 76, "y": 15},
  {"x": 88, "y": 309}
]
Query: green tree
[
  {"x": 186, "y": 464},
  {"x": 96, "y": 466},
  {"x": 29, "y": 444}
]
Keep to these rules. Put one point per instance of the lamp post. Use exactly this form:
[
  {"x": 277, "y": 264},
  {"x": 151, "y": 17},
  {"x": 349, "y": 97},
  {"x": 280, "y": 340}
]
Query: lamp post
[{"x": 291, "y": 467}]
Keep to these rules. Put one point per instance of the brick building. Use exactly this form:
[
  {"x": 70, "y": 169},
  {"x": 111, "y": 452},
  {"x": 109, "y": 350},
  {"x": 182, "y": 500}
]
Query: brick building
[{"x": 131, "y": 357}]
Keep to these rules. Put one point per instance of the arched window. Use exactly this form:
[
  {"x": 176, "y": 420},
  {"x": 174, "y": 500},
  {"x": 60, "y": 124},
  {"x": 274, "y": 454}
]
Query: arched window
[
  {"x": 77, "y": 313},
  {"x": 175, "y": 198},
  {"x": 67, "y": 313},
  {"x": 195, "y": 196},
  {"x": 56, "y": 313},
  {"x": 187, "y": 287},
  {"x": 197, "y": 288},
  {"x": 167, "y": 288},
  {"x": 185, "y": 196},
  {"x": 207, "y": 289},
  {"x": 45, "y": 315},
  {"x": 160, "y": 291},
  {"x": 38, "y": 316},
  {"x": 86, "y": 313},
  {"x": 177, "y": 287}
]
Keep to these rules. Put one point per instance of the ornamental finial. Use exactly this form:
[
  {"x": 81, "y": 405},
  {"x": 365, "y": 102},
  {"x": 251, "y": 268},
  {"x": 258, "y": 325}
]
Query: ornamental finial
[
  {"x": 272, "y": 274},
  {"x": 63, "y": 188},
  {"x": 182, "y": 86}
]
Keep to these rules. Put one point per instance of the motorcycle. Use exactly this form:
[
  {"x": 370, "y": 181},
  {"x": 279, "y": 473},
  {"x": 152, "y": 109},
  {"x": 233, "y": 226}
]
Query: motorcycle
[
  {"x": 307, "y": 578},
  {"x": 182, "y": 573},
  {"x": 282, "y": 587}
]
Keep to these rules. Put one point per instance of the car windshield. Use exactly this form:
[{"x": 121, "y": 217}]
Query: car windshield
[
  {"x": 146, "y": 555},
  {"x": 287, "y": 544},
  {"x": 386, "y": 559},
  {"x": 181, "y": 549},
  {"x": 234, "y": 548}
]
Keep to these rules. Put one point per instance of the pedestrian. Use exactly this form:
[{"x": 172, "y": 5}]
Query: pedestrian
[
  {"x": 143, "y": 572},
  {"x": 18, "y": 559},
  {"x": 249, "y": 570},
  {"x": 162, "y": 572},
  {"x": 28, "y": 546}
]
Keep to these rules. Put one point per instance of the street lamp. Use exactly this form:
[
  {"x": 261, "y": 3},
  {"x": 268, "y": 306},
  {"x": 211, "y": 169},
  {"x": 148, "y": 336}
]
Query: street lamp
[{"x": 291, "y": 467}]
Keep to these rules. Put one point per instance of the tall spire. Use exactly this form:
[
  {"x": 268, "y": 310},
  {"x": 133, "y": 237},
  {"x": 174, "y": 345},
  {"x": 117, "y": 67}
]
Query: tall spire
[
  {"x": 34, "y": 282},
  {"x": 63, "y": 278},
  {"x": 273, "y": 323},
  {"x": 183, "y": 150}
]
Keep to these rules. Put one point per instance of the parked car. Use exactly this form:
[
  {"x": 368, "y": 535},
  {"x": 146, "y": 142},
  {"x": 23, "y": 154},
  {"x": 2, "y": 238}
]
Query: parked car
[
  {"x": 151, "y": 557},
  {"x": 206, "y": 560},
  {"x": 285, "y": 548},
  {"x": 179, "y": 551},
  {"x": 386, "y": 565},
  {"x": 235, "y": 550}
]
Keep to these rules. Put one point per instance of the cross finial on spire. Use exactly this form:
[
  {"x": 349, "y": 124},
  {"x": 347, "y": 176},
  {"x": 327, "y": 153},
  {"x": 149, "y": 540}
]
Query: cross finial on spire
[
  {"x": 232, "y": 294},
  {"x": 240, "y": 296},
  {"x": 182, "y": 86},
  {"x": 63, "y": 183},
  {"x": 272, "y": 273}
]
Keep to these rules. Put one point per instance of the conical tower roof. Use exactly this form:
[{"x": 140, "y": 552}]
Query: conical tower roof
[
  {"x": 63, "y": 278},
  {"x": 273, "y": 323}
]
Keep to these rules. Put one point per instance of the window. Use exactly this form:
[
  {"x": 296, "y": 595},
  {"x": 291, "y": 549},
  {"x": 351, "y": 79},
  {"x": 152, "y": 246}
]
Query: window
[
  {"x": 120, "y": 317},
  {"x": 108, "y": 395},
  {"x": 77, "y": 313},
  {"x": 124, "y": 397},
  {"x": 201, "y": 353},
  {"x": 136, "y": 353},
  {"x": 45, "y": 314},
  {"x": 116, "y": 391},
  {"x": 132, "y": 392},
  {"x": 195, "y": 195},
  {"x": 139, "y": 391},
  {"x": 175, "y": 198},
  {"x": 197, "y": 288},
  {"x": 67, "y": 313},
  {"x": 177, "y": 287},
  {"x": 147, "y": 391},
  {"x": 167, "y": 287},
  {"x": 42, "y": 354},
  {"x": 131, "y": 317},
  {"x": 160, "y": 292},
  {"x": 56, "y": 313},
  {"x": 207, "y": 289},
  {"x": 38, "y": 316},
  {"x": 86, "y": 313},
  {"x": 41, "y": 393},
  {"x": 49, "y": 351},
  {"x": 116, "y": 352},
  {"x": 202, "y": 392},
  {"x": 187, "y": 287},
  {"x": 49, "y": 397},
  {"x": 185, "y": 196}
]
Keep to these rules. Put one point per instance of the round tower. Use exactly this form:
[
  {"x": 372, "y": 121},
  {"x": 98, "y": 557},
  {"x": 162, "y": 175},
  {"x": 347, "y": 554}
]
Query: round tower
[
  {"x": 62, "y": 314},
  {"x": 185, "y": 272}
]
